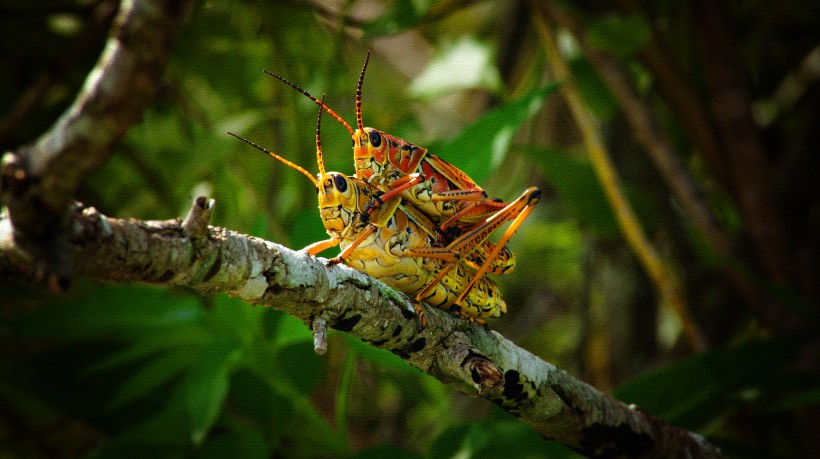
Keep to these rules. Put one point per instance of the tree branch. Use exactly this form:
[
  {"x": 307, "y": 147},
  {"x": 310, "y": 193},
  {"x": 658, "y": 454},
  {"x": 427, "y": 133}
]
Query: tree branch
[
  {"x": 38, "y": 180},
  {"x": 472, "y": 359}
]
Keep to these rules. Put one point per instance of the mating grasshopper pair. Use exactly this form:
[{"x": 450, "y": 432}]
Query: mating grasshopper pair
[{"x": 413, "y": 220}]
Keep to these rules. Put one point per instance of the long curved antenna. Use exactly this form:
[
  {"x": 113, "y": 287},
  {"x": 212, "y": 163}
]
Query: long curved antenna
[
  {"x": 321, "y": 104},
  {"x": 359, "y": 123},
  {"x": 275, "y": 156},
  {"x": 319, "y": 158}
]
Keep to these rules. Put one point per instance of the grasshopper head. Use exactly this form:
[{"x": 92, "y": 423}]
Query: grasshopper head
[
  {"x": 369, "y": 152},
  {"x": 338, "y": 201}
]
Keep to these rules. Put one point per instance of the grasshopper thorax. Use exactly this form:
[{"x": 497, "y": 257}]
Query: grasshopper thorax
[{"x": 376, "y": 153}]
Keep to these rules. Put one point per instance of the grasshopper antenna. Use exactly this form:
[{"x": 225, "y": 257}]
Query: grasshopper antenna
[
  {"x": 311, "y": 97},
  {"x": 319, "y": 158},
  {"x": 275, "y": 156},
  {"x": 359, "y": 123}
]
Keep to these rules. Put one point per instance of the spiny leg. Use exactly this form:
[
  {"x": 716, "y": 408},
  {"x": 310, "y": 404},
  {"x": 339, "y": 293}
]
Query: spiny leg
[
  {"x": 532, "y": 195},
  {"x": 346, "y": 252},
  {"x": 404, "y": 183},
  {"x": 467, "y": 242},
  {"x": 474, "y": 212}
]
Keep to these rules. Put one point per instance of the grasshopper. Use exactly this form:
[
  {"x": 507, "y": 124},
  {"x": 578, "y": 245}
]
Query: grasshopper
[
  {"x": 401, "y": 246},
  {"x": 398, "y": 245}
]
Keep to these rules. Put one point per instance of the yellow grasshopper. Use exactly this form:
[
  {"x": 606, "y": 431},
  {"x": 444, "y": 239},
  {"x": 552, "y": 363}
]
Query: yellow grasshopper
[{"x": 401, "y": 246}]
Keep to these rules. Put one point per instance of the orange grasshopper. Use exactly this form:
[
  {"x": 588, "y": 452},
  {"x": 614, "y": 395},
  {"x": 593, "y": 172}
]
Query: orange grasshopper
[
  {"x": 400, "y": 245},
  {"x": 446, "y": 194}
]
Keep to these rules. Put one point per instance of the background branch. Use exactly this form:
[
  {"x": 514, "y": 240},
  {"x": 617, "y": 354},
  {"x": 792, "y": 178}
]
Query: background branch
[
  {"x": 754, "y": 201},
  {"x": 665, "y": 282},
  {"x": 40, "y": 179}
]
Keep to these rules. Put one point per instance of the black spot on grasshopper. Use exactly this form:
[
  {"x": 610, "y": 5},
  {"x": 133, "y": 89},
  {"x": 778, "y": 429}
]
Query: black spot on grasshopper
[{"x": 371, "y": 207}]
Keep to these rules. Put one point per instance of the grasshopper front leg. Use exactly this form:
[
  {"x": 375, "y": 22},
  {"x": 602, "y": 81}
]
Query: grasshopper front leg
[{"x": 320, "y": 246}]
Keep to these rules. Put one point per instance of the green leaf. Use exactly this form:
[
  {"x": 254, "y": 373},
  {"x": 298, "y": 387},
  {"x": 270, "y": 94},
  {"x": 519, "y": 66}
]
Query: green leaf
[
  {"x": 240, "y": 441},
  {"x": 593, "y": 90},
  {"x": 623, "y": 36},
  {"x": 206, "y": 385},
  {"x": 383, "y": 451},
  {"x": 288, "y": 330},
  {"x": 251, "y": 396},
  {"x": 166, "y": 431},
  {"x": 483, "y": 145},
  {"x": 697, "y": 390},
  {"x": 579, "y": 188},
  {"x": 465, "y": 64},
  {"x": 496, "y": 438},
  {"x": 799, "y": 400},
  {"x": 299, "y": 365},
  {"x": 237, "y": 319},
  {"x": 402, "y": 15},
  {"x": 126, "y": 311},
  {"x": 181, "y": 337},
  {"x": 512, "y": 438},
  {"x": 153, "y": 374}
]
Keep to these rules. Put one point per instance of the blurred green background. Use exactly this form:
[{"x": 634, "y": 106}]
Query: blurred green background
[{"x": 113, "y": 370}]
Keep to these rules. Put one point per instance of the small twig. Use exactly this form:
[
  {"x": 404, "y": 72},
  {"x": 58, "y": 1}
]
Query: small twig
[
  {"x": 319, "y": 327},
  {"x": 102, "y": 226},
  {"x": 195, "y": 225}
]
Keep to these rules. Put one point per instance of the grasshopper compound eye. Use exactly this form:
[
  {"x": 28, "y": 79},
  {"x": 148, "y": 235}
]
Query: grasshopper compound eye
[
  {"x": 340, "y": 183},
  {"x": 375, "y": 138}
]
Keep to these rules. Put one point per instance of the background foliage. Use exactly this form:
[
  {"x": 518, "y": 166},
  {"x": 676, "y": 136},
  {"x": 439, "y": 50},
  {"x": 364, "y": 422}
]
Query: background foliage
[{"x": 110, "y": 369}]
